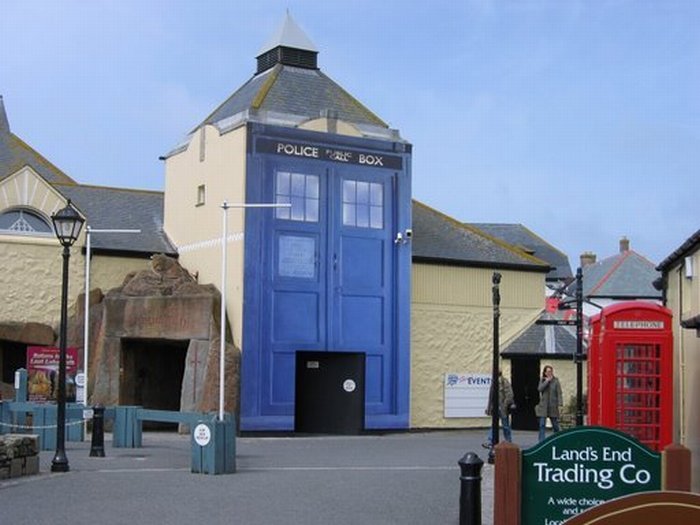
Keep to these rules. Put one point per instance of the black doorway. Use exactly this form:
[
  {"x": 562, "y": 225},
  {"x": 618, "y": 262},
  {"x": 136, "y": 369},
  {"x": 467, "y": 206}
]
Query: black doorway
[
  {"x": 151, "y": 376},
  {"x": 525, "y": 374},
  {"x": 330, "y": 392},
  {"x": 12, "y": 356}
]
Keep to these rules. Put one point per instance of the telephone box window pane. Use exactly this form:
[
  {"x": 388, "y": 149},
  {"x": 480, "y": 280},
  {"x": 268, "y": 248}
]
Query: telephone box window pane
[
  {"x": 363, "y": 204},
  {"x": 297, "y": 208},
  {"x": 375, "y": 217},
  {"x": 297, "y": 257},
  {"x": 302, "y": 192},
  {"x": 363, "y": 193},
  {"x": 362, "y": 216},
  {"x": 349, "y": 191},
  {"x": 312, "y": 187},
  {"x": 298, "y": 181},
  {"x": 349, "y": 214},
  {"x": 283, "y": 182},
  {"x": 311, "y": 210},
  {"x": 376, "y": 194},
  {"x": 283, "y": 213}
]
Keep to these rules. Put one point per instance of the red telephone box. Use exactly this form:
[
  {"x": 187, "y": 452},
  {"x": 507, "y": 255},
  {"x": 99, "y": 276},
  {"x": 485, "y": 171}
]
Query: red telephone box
[{"x": 631, "y": 371}]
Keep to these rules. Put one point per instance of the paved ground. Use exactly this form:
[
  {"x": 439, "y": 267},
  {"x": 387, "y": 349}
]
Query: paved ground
[{"x": 407, "y": 478}]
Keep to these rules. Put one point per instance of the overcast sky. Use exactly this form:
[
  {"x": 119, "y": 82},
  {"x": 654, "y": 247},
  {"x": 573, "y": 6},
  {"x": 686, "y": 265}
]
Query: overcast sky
[{"x": 578, "y": 119}]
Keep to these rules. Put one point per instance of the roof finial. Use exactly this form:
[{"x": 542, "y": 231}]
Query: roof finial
[{"x": 4, "y": 123}]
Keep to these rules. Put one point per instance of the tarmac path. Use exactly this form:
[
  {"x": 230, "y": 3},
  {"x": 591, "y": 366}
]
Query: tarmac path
[{"x": 396, "y": 478}]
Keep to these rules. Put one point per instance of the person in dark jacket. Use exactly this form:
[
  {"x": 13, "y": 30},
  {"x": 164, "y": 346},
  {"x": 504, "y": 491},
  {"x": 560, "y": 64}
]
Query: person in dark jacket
[
  {"x": 550, "y": 400},
  {"x": 506, "y": 404}
]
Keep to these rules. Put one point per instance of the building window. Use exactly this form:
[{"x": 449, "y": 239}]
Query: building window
[
  {"x": 363, "y": 204},
  {"x": 22, "y": 221},
  {"x": 201, "y": 194},
  {"x": 299, "y": 190}
]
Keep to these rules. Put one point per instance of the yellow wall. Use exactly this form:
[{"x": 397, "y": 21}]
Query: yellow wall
[
  {"x": 218, "y": 162},
  {"x": 452, "y": 330},
  {"x": 683, "y": 298},
  {"x": 32, "y": 265}
]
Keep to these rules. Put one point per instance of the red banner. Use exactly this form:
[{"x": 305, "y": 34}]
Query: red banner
[{"x": 42, "y": 373}]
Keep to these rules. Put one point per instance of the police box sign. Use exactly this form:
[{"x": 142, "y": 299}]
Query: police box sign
[
  {"x": 319, "y": 152},
  {"x": 581, "y": 468}
]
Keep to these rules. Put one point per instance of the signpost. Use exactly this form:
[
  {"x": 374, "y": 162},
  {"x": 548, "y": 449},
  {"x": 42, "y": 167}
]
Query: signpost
[{"x": 577, "y": 469}]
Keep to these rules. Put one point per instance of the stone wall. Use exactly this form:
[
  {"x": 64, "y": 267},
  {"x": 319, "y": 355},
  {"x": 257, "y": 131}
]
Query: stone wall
[{"x": 19, "y": 455}]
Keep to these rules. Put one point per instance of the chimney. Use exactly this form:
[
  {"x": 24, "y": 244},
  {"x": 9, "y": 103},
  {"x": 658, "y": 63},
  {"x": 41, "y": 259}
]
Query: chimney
[
  {"x": 624, "y": 245},
  {"x": 587, "y": 258}
]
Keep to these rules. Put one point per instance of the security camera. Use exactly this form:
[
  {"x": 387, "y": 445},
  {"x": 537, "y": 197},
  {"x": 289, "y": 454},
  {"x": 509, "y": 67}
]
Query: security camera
[{"x": 409, "y": 233}]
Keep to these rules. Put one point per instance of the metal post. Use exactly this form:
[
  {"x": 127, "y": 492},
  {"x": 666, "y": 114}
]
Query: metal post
[
  {"x": 470, "y": 489},
  {"x": 224, "y": 240},
  {"x": 579, "y": 347},
  {"x": 493, "y": 392},
  {"x": 222, "y": 336},
  {"x": 97, "y": 445},
  {"x": 60, "y": 460},
  {"x": 86, "y": 328}
]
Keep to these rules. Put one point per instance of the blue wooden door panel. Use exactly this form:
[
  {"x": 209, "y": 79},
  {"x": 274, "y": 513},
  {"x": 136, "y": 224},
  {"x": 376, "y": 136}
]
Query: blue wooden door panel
[
  {"x": 362, "y": 295},
  {"x": 294, "y": 287}
]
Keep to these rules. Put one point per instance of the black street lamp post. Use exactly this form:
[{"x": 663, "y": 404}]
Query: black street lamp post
[
  {"x": 579, "y": 347},
  {"x": 67, "y": 223},
  {"x": 493, "y": 392}
]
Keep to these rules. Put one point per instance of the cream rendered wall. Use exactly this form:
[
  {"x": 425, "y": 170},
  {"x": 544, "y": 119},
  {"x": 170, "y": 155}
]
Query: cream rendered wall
[
  {"x": 32, "y": 265},
  {"x": 31, "y": 279},
  {"x": 325, "y": 125},
  {"x": 109, "y": 272},
  {"x": 452, "y": 330},
  {"x": 683, "y": 298},
  {"x": 219, "y": 163}
]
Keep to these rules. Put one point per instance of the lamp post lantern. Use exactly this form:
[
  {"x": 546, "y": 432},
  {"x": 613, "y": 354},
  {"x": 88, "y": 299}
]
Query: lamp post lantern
[{"x": 67, "y": 223}]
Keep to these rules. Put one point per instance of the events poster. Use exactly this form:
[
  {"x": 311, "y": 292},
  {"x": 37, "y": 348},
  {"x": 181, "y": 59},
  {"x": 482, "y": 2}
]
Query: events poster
[{"x": 42, "y": 373}]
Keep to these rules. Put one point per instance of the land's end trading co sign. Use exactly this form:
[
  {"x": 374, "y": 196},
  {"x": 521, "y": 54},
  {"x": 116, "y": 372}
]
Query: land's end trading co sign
[
  {"x": 316, "y": 151},
  {"x": 583, "y": 467}
]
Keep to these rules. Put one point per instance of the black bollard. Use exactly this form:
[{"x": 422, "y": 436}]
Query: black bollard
[
  {"x": 97, "y": 445},
  {"x": 470, "y": 489}
]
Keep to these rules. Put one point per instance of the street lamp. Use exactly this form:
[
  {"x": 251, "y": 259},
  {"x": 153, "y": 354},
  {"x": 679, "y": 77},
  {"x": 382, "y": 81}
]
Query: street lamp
[
  {"x": 66, "y": 223},
  {"x": 493, "y": 392}
]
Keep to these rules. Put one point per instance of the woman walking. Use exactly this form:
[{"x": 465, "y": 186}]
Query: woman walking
[{"x": 550, "y": 400}]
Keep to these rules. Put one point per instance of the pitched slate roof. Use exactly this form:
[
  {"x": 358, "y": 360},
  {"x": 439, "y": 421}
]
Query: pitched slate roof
[
  {"x": 626, "y": 275},
  {"x": 543, "y": 340},
  {"x": 15, "y": 154},
  {"x": 520, "y": 236},
  {"x": 118, "y": 208},
  {"x": 440, "y": 238},
  {"x": 306, "y": 93},
  {"x": 690, "y": 245}
]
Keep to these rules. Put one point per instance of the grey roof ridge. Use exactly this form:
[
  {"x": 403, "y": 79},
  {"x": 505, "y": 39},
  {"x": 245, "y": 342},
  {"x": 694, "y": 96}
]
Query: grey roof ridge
[
  {"x": 217, "y": 108},
  {"x": 41, "y": 158},
  {"x": 351, "y": 97},
  {"x": 684, "y": 249},
  {"x": 545, "y": 242},
  {"x": 114, "y": 188},
  {"x": 517, "y": 251},
  {"x": 529, "y": 232}
]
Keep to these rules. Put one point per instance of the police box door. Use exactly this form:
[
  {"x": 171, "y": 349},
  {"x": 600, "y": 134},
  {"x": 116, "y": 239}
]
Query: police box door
[{"x": 328, "y": 270}]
